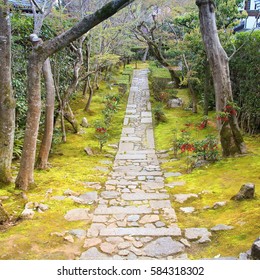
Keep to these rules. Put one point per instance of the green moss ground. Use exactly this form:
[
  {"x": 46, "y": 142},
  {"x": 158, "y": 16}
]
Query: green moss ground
[
  {"x": 220, "y": 180},
  {"x": 70, "y": 168}
]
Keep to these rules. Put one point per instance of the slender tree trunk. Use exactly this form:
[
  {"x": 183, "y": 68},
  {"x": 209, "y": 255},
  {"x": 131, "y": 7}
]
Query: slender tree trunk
[
  {"x": 45, "y": 148},
  {"x": 230, "y": 135},
  {"x": 207, "y": 89},
  {"x": 7, "y": 101},
  {"x": 91, "y": 92},
  {"x": 145, "y": 54},
  {"x": 25, "y": 175},
  {"x": 193, "y": 98}
]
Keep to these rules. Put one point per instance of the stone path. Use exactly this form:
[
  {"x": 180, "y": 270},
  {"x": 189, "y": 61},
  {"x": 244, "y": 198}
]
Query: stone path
[{"x": 134, "y": 218}]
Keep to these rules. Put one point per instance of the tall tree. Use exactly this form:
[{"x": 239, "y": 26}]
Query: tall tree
[
  {"x": 42, "y": 161},
  {"x": 39, "y": 54},
  {"x": 231, "y": 138},
  {"x": 7, "y": 101}
]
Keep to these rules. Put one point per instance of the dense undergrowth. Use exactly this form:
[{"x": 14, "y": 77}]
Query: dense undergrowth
[
  {"x": 214, "y": 182},
  {"x": 70, "y": 169}
]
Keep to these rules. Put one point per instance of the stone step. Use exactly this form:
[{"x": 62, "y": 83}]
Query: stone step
[
  {"x": 114, "y": 210},
  {"x": 144, "y": 196},
  {"x": 174, "y": 231},
  {"x": 130, "y": 156}
]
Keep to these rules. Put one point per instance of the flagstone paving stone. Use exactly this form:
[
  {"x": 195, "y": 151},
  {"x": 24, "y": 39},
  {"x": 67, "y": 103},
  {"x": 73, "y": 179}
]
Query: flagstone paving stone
[{"x": 134, "y": 218}]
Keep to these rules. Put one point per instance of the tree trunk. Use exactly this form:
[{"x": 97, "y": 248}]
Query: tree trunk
[
  {"x": 193, "y": 98},
  {"x": 3, "y": 215},
  {"x": 91, "y": 92},
  {"x": 145, "y": 54},
  {"x": 7, "y": 101},
  {"x": 207, "y": 89},
  {"x": 45, "y": 148},
  {"x": 230, "y": 135},
  {"x": 25, "y": 174},
  {"x": 39, "y": 54}
]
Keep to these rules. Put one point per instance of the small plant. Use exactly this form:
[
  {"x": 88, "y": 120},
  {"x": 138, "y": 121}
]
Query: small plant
[
  {"x": 207, "y": 149},
  {"x": 204, "y": 123},
  {"x": 159, "y": 114},
  {"x": 18, "y": 144},
  {"x": 101, "y": 133}
]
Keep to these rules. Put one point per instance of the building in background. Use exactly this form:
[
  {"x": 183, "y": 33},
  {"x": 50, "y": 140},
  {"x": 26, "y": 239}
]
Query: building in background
[{"x": 252, "y": 7}]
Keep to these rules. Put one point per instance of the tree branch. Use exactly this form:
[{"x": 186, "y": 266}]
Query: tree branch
[{"x": 50, "y": 47}]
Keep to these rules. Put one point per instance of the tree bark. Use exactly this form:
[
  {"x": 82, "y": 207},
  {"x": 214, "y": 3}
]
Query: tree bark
[
  {"x": 39, "y": 54},
  {"x": 3, "y": 215},
  {"x": 7, "y": 101},
  {"x": 230, "y": 135},
  {"x": 207, "y": 89},
  {"x": 145, "y": 54},
  {"x": 42, "y": 162}
]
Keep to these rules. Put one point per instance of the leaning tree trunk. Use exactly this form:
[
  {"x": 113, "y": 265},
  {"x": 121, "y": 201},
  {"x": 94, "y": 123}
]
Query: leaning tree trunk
[
  {"x": 42, "y": 162},
  {"x": 230, "y": 135},
  {"x": 7, "y": 101},
  {"x": 36, "y": 59}
]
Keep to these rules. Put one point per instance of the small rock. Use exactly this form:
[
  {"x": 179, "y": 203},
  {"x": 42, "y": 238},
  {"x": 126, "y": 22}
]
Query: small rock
[
  {"x": 69, "y": 192},
  {"x": 206, "y": 207},
  {"x": 163, "y": 247},
  {"x": 115, "y": 240},
  {"x": 59, "y": 234},
  {"x": 204, "y": 239},
  {"x": 79, "y": 233},
  {"x": 110, "y": 194},
  {"x": 124, "y": 245},
  {"x": 175, "y": 103},
  {"x": 27, "y": 214},
  {"x": 138, "y": 244},
  {"x": 187, "y": 210},
  {"x": 92, "y": 242},
  {"x": 89, "y": 151},
  {"x": 149, "y": 219},
  {"x": 29, "y": 205},
  {"x": 247, "y": 191},
  {"x": 146, "y": 239},
  {"x": 43, "y": 207},
  {"x": 159, "y": 224},
  {"x": 243, "y": 256},
  {"x": 200, "y": 163},
  {"x": 93, "y": 254},
  {"x": 123, "y": 253},
  {"x": 221, "y": 227},
  {"x": 84, "y": 122},
  {"x": 255, "y": 250},
  {"x": 77, "y": 215},
  {"x": 219, "y": 204},
  {"x": 195, "y": 233},
  {"x": 133, "y": 218},
  {"x": 113, "y": 146},
  {"x": 183, "y": 197},
  {"x": 108, "y": 248},
  {"x": 69, "y": 238},
  {"x": 185, "y": 242}
]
